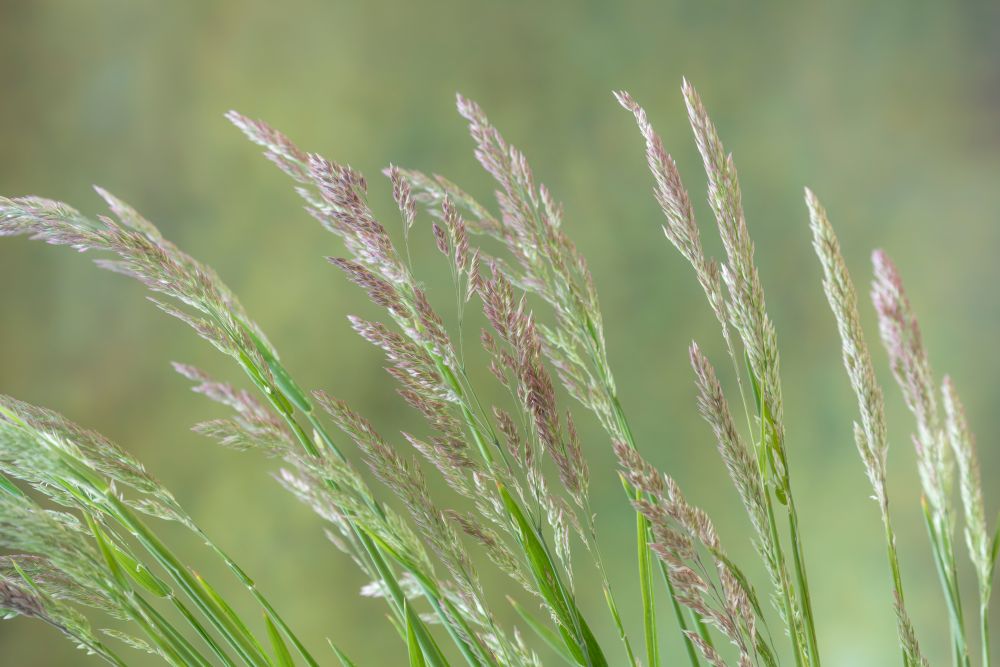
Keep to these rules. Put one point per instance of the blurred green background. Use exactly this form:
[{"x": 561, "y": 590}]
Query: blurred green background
[{"x": 888, "y": 110}]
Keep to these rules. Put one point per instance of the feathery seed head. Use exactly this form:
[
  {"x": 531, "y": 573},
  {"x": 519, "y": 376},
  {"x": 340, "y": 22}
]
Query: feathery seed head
[
  {"x": 403, "y": 195},
  {"x": 746, "y": 310},
  {"x": 970, "y": 484},
  {"x": 15, "y": 599},
  {"x": 840, "y": 293},
  {"x": 279, "y": 149},
  {"x": 737, "y": 457},
  {"x": 903, "y": 341}
]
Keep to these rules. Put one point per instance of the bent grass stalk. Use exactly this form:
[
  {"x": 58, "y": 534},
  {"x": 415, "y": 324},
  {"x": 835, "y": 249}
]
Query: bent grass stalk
[{"x": 871, "y": 433}]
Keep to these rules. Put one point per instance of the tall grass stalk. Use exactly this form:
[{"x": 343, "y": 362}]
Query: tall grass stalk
[{"x": 871, "y": 434}]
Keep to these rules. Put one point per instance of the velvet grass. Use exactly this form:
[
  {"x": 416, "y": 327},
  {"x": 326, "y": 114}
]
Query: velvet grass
[{"x": 79, "y": 515}]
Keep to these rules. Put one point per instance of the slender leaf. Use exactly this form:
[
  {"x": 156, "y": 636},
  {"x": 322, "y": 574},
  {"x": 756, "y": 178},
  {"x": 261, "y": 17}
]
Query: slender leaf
[{"x": 281, "y": 652}]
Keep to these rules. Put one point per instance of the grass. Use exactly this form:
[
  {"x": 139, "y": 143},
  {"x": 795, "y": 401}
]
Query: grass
[{"x": 79, "y": 515}]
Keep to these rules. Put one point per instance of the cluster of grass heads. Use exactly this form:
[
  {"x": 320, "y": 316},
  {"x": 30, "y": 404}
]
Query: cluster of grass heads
[{"x": 79, "y": 515}]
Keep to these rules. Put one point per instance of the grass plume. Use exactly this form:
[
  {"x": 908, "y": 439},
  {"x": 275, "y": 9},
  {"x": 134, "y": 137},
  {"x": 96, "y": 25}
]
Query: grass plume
[{"x": 78, "y": 514}]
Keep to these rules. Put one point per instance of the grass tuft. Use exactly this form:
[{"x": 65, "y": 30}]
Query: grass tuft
[{"x": 81, "y": 519}]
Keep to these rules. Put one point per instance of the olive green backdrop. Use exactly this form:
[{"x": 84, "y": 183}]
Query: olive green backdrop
[{"x": 888, "y": 110}]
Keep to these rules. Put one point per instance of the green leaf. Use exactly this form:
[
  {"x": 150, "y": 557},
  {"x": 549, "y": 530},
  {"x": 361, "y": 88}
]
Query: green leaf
[
  {"x": 538, "y": 559},
  {"x": 281, "y": 652},
  {"x": 779, "y": 493},
  {"x": 282, "y": 379},
  {"x": 105, "y": 549},
  {"x": 27, "y": 579},
  {"x": 576, "y": 633},
  {"x": 759, "y": 404},
  {"x": 344, "y": 660},
  {"x": 288, "y": 387},
  {"x": 646, "y": 588},
  {"x": 230, "y": 613},
  {"x": 140, "y": 574},
  {"x": 412, "y": 645},
  {"x": 758, "y": 398},
  {"x": 7, "y": 486},
  {"x": 770, "y": 458},
  {"x": 433, "y": 652}
]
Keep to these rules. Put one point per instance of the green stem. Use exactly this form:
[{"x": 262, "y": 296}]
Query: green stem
[
  {"x": 91, "y": 644},
  {"x": 770, "y": 456},
  {"x": 785, "y": 583},
  {"x": 102, "y": 650},
  {"x": 481, "y": 656},
  {"x": 897, "y": 579},
  {"x": 646, "y": 587},
  {"x": 944, "y": 563},
  {"x": 174, "y": 648},
  {"x": 961, "y": 645},
  {"x": 202, "y": 632},
  {"x": 984, "y": 630},
  {"x": 622, "y": 635},
  {"x": 97, "y": 647},
  {"x": 626, "y": 431},
  {"x": 185, "y": 651},
  {"x": 801, "y": 578},
  {"x": 261, "y": 600}
]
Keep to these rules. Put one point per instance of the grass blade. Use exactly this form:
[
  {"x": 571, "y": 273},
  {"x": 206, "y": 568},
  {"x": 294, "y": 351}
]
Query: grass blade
[
  {"x": 578, "y": 636},
  {"x": 281, "y": 653},
  {"x": 341, "y": 656},
  {"x": 646, "y": 589},
  {"x": 412, "y": 645}
]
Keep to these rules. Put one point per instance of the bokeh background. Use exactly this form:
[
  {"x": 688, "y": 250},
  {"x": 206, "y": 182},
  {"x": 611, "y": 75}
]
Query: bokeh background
[{"x": 888, "y": 110}]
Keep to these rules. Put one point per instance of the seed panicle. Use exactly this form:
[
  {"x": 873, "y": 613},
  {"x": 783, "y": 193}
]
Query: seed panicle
[{"x": 78, "y": 513}]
